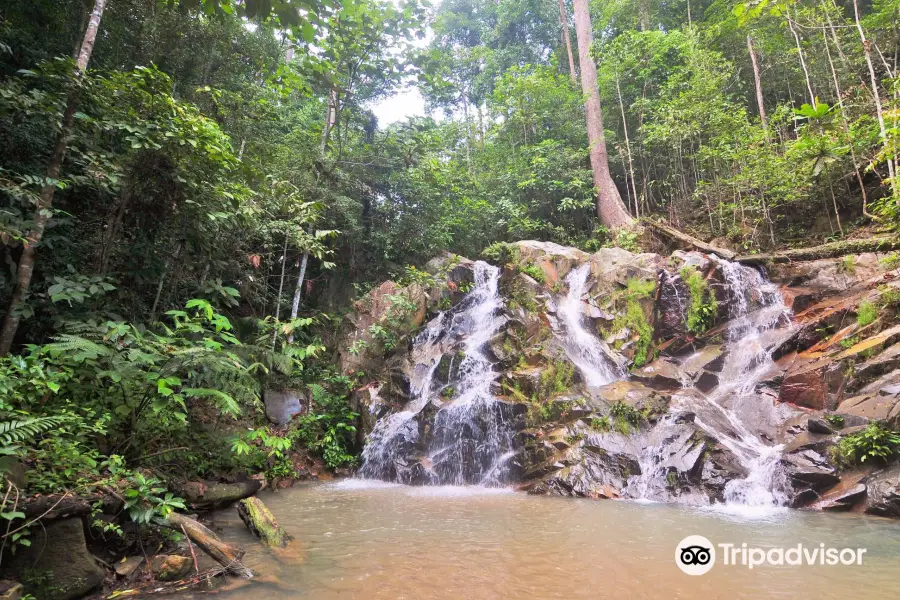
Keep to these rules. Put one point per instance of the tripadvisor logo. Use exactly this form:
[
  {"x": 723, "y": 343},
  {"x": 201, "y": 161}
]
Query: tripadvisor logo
[{"x": 696, "y": 555}]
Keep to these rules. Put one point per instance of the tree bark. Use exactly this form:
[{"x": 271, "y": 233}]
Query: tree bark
[
  {"x": 758, "y": 82},
  {"x": 225, "y": 554},
  {"x": 44, "y": 206},
  {"x": 564, "y": 24},
  {"x": 809, "y": 88},
  {"x": 867, "y": 50},
  {"x": 610, "y": 209},
  {"x": 689, "y": 240},
  {"x": 637, "y": 211}
]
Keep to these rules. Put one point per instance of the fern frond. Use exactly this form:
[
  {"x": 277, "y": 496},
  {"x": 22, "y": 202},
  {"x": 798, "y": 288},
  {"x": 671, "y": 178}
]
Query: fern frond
[
  {"x": 26, "y": 430},
  {"x": 224, "y": 402}
]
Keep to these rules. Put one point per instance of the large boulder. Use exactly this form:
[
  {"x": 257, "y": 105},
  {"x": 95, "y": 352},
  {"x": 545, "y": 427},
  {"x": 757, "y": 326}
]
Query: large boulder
[
  {"x": 58, "y": 557},
  {"x": 281, "y": 406},
  {"x": 883, "y": 492},
  {"x": 612, "y": 268},
  {"x": 553, "y": 260}
]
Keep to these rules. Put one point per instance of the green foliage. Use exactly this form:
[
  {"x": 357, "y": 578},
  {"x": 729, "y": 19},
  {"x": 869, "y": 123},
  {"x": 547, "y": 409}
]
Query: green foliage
[
  {"x": 625, "y": 417},
  {"x": 634, "y": 319},
  {"x": 866, "y": 313},
  {"x": 147, "y": 499},
  {"x": 703, "y": 306},
  {"x": 533, "y": 271},
  {"x": 601, "y": 424},
  {"x": 835, "y": 420},
  {"x": 875, "y": 443},
  {"x": 556, "y": 378},
  {"x": 847, "y": 265}
]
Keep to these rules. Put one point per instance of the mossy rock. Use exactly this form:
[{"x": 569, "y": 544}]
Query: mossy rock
[{"x": 261, "y": 522}]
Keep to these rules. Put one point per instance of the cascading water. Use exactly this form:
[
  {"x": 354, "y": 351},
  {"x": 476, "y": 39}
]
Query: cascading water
[
  {"x": 471, "y": 439},
  {"x": 593, "y": 359},
  {"x": 755, "y": 309},
  {"x": 748, "y": 359}
]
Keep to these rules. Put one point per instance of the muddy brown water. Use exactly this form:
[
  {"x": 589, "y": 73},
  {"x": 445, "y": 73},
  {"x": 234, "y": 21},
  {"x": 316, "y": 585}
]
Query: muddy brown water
[{"x": 372, "y": 541}]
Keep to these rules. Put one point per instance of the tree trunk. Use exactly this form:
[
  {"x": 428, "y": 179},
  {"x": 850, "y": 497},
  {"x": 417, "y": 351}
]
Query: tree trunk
[
  {"x": 867, "y": 49},
  {"x": 756, "y": 79},
  {"x": 637, "y": 211},
  {"x": 225, "y": 554},
  {"x": 812, "y": 94},
  {"x": 644, "y": 15},
  {"x": 610, "y": 209},
  {"x": 44, "y": 207},
  {"x": 298, "y": 292},
  {"x": 280, "y": 290},
  {"x": 564, "y": 24}
]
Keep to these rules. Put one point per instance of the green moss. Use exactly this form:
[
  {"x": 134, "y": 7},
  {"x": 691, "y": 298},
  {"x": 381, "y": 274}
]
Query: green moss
[
  {"x": 556, "y": 378},
  {"x": 835, "y": 420},
  {"x": 866, "y": 313},
  {"x": 635, "y": 319},
  {"x": 533, "y": 271},
  {"x": 847, "y": 265},
  {"x": 702, "y": 307},
  {"x": 891, "y": 261}
]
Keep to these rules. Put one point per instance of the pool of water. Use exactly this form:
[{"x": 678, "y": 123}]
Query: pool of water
[{"x": 372, "y": 541}]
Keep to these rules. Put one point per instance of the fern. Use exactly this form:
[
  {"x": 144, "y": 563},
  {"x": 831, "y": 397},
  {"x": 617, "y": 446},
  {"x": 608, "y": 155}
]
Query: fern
[{"x": 14, "y": 433}]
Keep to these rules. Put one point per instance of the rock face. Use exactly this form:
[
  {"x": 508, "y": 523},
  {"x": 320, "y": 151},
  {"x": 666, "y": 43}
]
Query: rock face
[
  {"x": 749, "y": 406},
  {"x": 59, "y": 556}
]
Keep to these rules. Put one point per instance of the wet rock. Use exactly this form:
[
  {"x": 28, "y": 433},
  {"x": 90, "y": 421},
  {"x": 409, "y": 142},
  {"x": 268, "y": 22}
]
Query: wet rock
[
  {"x": 798, "y": 299},
  {"x": 281, "y": 406},
  {"x": 58, "y": 551},
  {"x": 589, "y": 473},
  {"x": 844, "y": 501},
  {"x": 819, "y": 425},
  {"x": 170, "y": 567},
  {"x": 883, "y": 493},
  {"x": 125, "y": 567},
  {"x": 661, "y": 374},
  {"x": 709, "y": 358},
  {"x": 809, "y": 469},
  {"x": 635, "y": 394},
  {"x": 671, "y": 307}
]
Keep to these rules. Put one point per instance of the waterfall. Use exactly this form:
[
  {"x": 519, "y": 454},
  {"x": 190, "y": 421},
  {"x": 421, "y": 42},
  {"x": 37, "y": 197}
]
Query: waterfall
[
  {"x": 471, "y": 439},
  {"x": 748, "y": 358},
  {"x": 755, "y": 308},
  {"x": 594, "y": 360}
]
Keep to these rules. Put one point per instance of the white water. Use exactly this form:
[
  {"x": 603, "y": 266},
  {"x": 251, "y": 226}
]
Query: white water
[
  {"x": 471, "y": 440},
  {"x": 748, "y": 359},
  {"x": 591, "y": 355}
]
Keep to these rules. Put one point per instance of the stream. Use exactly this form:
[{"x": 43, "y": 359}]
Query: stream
[{"x": 371, "y": 540}]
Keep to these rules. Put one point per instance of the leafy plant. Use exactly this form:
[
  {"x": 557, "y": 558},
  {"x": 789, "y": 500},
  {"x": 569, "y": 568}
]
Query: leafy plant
[
  {"x": 703, "y": 306},
  {"x": 866, "y": 313},
  {"x": 875, "y": 443}
]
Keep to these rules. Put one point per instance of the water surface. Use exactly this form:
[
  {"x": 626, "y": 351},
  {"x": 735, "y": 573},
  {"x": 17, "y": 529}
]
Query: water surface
[{"x": 372, "y": 541}]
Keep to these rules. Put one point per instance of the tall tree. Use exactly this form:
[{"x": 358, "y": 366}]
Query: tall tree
[
  {"x": 564, "y": 25},
  {"x": 610, "y": 208},
  {"x": 44, "y": 206},
  {"x": 757, "y": 83}
]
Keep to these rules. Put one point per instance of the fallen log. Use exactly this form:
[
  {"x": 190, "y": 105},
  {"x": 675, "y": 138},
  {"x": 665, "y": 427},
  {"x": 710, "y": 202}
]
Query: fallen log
[
  {"x": 205, "y": 494},
  {"x": 831, "y": 250},
  {"x": 227, "y": 555},
  {"x": 261, "y": 522},
  {"x": 689, "y": 240},
  {"x": 60, "y": 506}
]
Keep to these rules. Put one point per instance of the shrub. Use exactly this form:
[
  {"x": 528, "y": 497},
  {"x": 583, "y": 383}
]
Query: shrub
[{"x": 876, "y": 442}]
